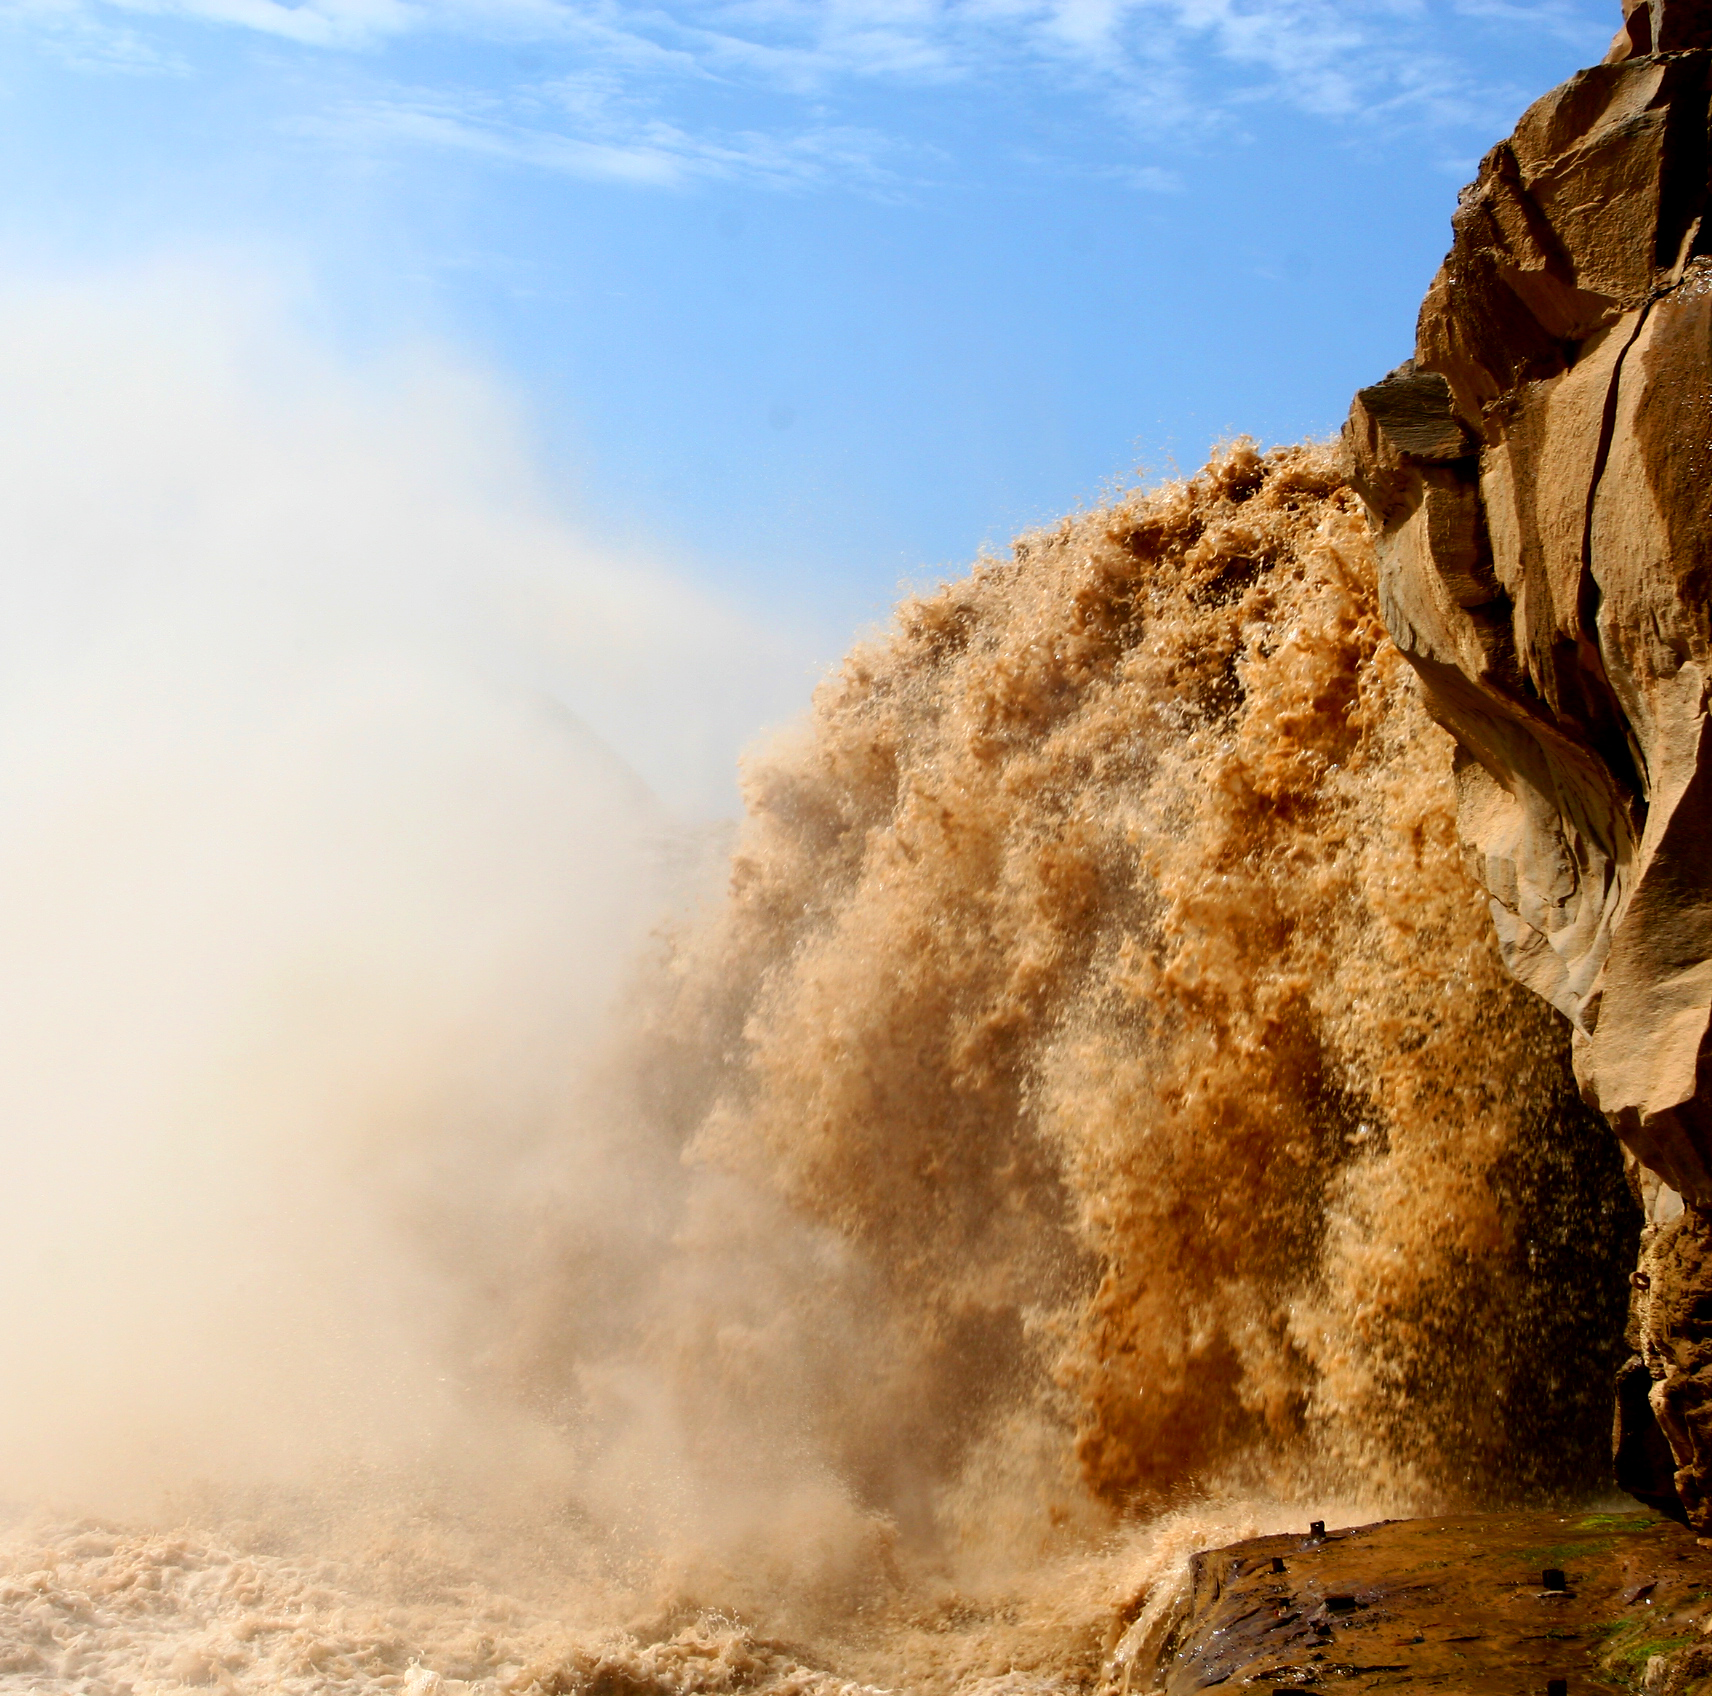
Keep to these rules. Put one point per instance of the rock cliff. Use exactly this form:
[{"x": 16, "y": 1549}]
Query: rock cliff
[{"x": 1540, "y": 477}]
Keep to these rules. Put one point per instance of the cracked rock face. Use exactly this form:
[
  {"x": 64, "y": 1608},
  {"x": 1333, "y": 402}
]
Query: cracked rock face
[{"x": 1541, "y": 477}]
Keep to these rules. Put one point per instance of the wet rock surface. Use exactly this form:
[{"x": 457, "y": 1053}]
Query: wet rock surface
[{"x": 1504, "y": 1603}]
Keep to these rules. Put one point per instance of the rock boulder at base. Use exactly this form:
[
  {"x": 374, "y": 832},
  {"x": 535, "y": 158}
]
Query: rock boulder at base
[
  {"x": 1500, "y": 1604},
  {"x": 1540, "y": 475}
]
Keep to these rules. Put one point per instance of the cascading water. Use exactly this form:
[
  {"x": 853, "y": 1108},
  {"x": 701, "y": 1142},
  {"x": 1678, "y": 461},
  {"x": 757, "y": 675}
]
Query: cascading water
[
  {"x": 1095, "y": 1122},
  {"x": 1100, "y": 971}
]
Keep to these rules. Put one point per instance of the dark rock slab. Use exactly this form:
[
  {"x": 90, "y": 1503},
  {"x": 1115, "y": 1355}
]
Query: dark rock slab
[{"x": 1477, "y": 1604}]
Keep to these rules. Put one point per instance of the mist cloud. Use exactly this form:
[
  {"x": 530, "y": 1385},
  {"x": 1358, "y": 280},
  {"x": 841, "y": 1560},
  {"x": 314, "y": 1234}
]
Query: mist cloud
[{"x": 314, "y": 878}]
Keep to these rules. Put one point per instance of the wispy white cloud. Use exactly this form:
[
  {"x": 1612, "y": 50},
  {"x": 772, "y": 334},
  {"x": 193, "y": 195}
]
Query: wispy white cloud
[
  {"x": 89, "y": 39},
  {"x": 596, "y": 136},
  {"x": 1165, "y": 68},
  {"x": 315, "y": 23},
  {"x": 1167, "y": 61},
  {"x": 434, "y": 120}
]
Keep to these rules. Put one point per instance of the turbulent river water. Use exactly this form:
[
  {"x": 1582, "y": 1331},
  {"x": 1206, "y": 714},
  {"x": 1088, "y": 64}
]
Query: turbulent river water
[{"x": 1086, "y": 1121}]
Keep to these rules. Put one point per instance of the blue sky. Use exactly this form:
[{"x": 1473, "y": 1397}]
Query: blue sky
[{"x": 787, "y": 301}]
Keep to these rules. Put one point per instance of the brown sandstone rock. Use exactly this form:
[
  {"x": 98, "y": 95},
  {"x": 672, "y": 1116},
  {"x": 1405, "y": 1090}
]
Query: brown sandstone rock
[
  {"x": 1469, "y": 1605},
  {"x": 1541, "y": 475}
]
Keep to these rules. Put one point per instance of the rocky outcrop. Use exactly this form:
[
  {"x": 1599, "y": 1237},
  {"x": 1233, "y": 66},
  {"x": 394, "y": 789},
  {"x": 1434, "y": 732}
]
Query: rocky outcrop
[
  {"x": 1540, "y": 474},
  {"x": 1477, "y": 1604}
]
